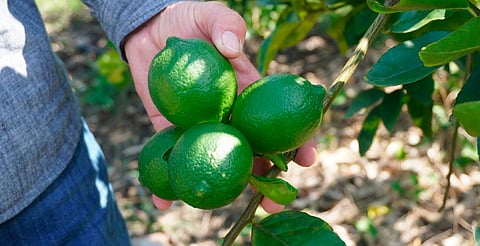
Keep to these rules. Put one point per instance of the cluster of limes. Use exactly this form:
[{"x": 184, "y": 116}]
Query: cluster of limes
[{"x": 206, "y": 157}]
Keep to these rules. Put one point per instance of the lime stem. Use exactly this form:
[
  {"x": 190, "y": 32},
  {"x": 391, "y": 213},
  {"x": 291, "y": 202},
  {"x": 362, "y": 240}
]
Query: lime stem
[
  {"x": 249, "y": 212},
  {"x": 353, "y": 62},
  {"x": 344, "y": 76},
  {"x": 453, "y": 146}
]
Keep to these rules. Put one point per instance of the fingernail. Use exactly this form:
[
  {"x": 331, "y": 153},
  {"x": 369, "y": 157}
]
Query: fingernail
[{"x": 231, "y": 41}]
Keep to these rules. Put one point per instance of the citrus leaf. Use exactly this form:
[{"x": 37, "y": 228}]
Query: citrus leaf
[
  {"x": 347, "y": 25},
  {"x": 403, "y": 5},
  {"x": 336, "y": 28},
  {"x": 421, "y": 115},
  {"x": 468, "y": 114},
  {"x": 268, "y": 2},
  {"x": 420, "y": 104},
  {"x": 410, "y": 21},
  {"x": 462, "y": 41},
  {"x": 363, "y": 100},
  {"x": 476, "y": 235},
  {"x": 279, "y": 160},
  {"x": 278, "y": 190},
  {"x": 454, "y": 18},
  {"x": 294, "y": 228},
  {"x": 357, "y": 24},
  {"x": 390, "y": 108},
  {"x": 467, "y": 105},
  {"x": 471, "y": 90},
  {"x": 300, "y": 32},
  {"x": 333, "y": 4},
  {"x": 369, "y": 128},
  {"x": 401, "y": 64},
  {"x": 421, "y": 90},
  {"x": 290, "y": 29}
]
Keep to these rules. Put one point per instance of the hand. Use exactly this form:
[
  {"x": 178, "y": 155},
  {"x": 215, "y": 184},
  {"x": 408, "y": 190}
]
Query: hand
[{"x": 214, "y": 22}]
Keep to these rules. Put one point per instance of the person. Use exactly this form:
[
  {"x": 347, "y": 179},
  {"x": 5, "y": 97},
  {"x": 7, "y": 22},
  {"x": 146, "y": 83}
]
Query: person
[{"x": 54, "y": 181}]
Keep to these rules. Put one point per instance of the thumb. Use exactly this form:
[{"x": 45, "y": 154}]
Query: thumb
[{"x": 224, "y": 26}]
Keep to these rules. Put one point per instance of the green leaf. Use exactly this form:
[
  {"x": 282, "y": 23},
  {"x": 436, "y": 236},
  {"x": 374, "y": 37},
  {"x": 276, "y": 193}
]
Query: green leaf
[
  {"x": 421, "y": 90},
  {"x": 390, "y": 109},
  {"x": 273, "y": 2},
  {"x": 420, "y": 103},
  {"x": 468, "y": 114},
  {"x": 401, "y": 64},
  {"x": 454, "y": 18},
  {"x": 278, "y": 190},
  {"x": 363, "y": 100},
  {"x": 291, "y": 29},
  {"x": 369, "y": 128},
  {"x": 421, "y": 116},
  {"x": 477, "y": 230},
  {"x": 337, "y": 22},
  {"x": 471, "y": 90},
  {"x": 294, "y": 228},
  {"x": 462, "y": 41},
  {"x": 366, "y": 225},
  {"x": 467, "y": 105},
  {"x": 301, "y": 30},
  {"x": 358, "y": 23},
  {"x": 279, "y": 160},
  {"x": 410, "y": 21},
  {"x": 404, "y": 5},
  {"x": 333, "y": 4},
  {"x": 476, "y": 234}
]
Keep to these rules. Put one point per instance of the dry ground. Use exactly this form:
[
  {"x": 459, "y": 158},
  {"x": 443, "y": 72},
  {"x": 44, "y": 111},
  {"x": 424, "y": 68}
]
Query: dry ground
[{"x": 394, "y": 192}]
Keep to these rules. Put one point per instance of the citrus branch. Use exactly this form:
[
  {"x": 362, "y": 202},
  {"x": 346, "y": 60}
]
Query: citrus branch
[
  {"x": 249, "y": 212},
  {"x": 453, "y": 146},
  {"x": 352, "y": 63},
  {"x": 344, "y": 76}
]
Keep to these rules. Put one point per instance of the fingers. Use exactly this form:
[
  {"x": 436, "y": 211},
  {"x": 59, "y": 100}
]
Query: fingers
[
  {"x": 270, "y": 206},
  {"x": 160, "y": 203},
  {"x": 225, "y": 27},
  {"x": 307, "y": 154},
  {"x": 245, "y": 71}
]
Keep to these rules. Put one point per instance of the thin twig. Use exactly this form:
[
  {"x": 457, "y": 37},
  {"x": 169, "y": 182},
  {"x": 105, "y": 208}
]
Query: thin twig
[
  {"x": 357, "y": 56},
  {"x": 249, "y": 212},
  {"x": 453, "y": 146}
]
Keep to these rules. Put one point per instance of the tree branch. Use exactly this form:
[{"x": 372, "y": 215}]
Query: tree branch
[{"x": 453, "y": 146}]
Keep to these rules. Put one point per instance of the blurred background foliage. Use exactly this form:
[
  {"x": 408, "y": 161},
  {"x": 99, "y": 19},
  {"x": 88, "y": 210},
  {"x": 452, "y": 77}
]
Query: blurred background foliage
[
  {"x": 103, "y": 83},
  {"x": 278, "y": 25},
  {"x": 107, "y": 78}
]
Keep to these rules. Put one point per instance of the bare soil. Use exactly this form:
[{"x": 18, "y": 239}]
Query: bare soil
[{"x": 397, "y": 188}]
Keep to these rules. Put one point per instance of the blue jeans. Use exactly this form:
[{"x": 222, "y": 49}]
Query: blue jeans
[{"x": 77, "y": 209}]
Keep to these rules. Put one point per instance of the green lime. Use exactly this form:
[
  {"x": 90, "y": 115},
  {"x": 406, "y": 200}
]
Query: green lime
[
  {"x": 191, "y": 82},
  {"x": 210, "y": 165},
  {"x": 152, "y": 162},
  {"x": 279, "y": 112}
]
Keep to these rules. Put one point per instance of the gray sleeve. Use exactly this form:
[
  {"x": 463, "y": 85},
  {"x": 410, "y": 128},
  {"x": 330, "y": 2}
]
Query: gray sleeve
[{"x": 120, "y": 17}]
